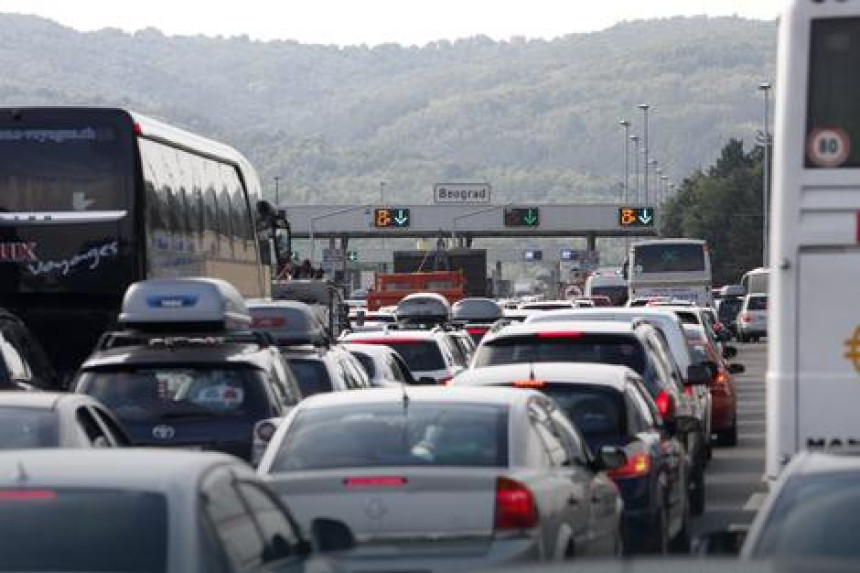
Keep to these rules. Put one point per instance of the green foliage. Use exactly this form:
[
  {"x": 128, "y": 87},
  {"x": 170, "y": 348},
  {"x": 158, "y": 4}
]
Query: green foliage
[
  {"x": 537, "y": 119},
  {"x": 724, "y": 207}
]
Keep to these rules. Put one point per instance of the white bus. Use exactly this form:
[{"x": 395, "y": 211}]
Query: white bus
[
  {"x": 673, "y": 268},
  {"x": 813, "y": 377},
  {"x": 755, "y": 281}
]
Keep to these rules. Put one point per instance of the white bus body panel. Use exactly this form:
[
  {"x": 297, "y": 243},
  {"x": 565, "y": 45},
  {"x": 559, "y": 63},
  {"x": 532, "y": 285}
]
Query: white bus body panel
[{"x": 812, "y": 386}]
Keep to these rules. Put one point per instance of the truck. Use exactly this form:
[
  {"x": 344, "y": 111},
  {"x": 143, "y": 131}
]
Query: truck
[
  {"x": 390, "y": 288},
  {"x": 472, "y": 262}
]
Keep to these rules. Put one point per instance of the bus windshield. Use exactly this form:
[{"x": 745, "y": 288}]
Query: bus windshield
[
  {"x": 669, "y": 258},
  {"x": 50, "y": 168}
]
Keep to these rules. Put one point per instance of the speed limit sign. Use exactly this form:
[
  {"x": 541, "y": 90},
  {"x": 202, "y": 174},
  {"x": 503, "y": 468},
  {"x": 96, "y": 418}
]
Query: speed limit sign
[{"x": 828, "y": 147}]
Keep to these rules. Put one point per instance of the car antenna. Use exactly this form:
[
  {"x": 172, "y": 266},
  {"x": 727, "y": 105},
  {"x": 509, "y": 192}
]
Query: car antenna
[
  {"x": 405, "y": 397},
  {"x": 531, "y": 370}
]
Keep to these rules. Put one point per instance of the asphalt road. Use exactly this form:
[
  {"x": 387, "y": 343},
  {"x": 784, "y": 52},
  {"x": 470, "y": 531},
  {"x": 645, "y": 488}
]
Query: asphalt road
[{"x": 733, "y": 480}]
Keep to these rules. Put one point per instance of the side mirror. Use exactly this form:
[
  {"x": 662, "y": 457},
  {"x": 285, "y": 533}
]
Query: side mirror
[
  {"x": 712, "y": 367},
  {"x": 611, "y": 458},
  {"x": 265, "y": 210},
  {"x": 725, "y": 543},
  {"x": 737, "y": 369},
  {"x": 698, "y": 375},
  {"x": 331, "y": 536},
  {"x": 426, "y": 380},
  {"x": 729, "y": 352}
]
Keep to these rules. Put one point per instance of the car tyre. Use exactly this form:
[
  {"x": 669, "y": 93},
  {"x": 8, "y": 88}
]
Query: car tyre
[
  {"x": 729, "y": 437},
  {"x": 681, "y": 542},
  {"x": 697, "y": 493},
  {"x": 658, "y": 544}
]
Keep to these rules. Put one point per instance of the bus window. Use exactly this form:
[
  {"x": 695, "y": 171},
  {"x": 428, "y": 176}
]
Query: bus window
[
  {"x": 225, "y": 211},
  {"x": 667, "y": 258}
]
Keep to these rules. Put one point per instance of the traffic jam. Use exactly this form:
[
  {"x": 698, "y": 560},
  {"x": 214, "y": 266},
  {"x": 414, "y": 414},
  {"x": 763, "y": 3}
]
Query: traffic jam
[{"x": 261, "y": 434}]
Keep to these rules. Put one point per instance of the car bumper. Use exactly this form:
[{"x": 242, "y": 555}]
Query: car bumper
[
  {"x": 754, "y": 329},
  {"x": 499, "y": 553},
  {"x": 723, "y": 413}
]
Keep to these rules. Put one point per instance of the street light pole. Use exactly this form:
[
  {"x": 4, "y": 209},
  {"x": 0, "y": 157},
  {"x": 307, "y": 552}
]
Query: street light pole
[
  {"x": 277, "y": 197},
  {"x": 664, "y": 188},
  {"x": 765, "y": 87},
  {"x": 626, "y": 125},
  {"x": 635, "y": 140},
  {"x": 644, "y": 107},
  {"x": 325, "y": 216}
]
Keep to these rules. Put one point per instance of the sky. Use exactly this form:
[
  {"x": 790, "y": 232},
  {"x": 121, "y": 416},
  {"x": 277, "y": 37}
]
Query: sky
[{"x": 348, "y": 22}]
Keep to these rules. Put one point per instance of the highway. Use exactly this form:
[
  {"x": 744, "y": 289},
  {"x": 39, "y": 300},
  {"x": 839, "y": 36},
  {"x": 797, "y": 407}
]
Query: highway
[{"x": 734, "y": 483}]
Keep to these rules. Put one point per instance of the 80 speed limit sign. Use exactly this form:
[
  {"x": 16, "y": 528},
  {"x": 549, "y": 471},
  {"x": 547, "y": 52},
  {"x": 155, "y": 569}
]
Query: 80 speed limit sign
[{"x": 828, "y": 147}]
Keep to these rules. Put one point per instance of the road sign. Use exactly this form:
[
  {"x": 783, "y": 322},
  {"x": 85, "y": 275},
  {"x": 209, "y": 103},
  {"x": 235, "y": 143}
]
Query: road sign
[
  {"x": 532, "y": 255},
  {"x": 522, "y": 217},
  {"x": 352, "y": 256},
  {"x": 636, "y": 217},
  {"x": 580, "y": 259},
  {"x": 469, "y": 193},
  {"x": 391, "y": 218},
  {"x": 333, "y": 255}
]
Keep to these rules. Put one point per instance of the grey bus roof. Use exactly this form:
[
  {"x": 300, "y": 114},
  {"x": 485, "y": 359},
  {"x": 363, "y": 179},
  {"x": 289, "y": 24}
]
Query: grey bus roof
[{"x": 156, "y": 303}]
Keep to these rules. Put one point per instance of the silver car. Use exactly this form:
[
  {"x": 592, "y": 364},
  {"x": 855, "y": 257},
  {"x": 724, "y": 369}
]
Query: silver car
[
  {"x": 752, "y": 319},
  {"x": 436, "y": 479},
  {"x": 146, "y": 510}
]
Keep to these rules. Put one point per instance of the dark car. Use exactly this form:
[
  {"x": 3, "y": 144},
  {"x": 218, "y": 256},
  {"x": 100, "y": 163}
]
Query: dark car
[
  {"x": 23, "y": 363},
  {"x": 48, "y": 420},
  {"x": 641, "y": 347},
  {"x": 195, "y": 393},
  {"x": 611, "y": 407},
  {"x": 727, "y": 312}
]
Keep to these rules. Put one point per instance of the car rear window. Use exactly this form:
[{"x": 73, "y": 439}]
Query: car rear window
[
  {"x": 394, "y": 434},
  {"x": 729, "y": 309},
  {"x": 687, "y": 317},
  {"x": 420, "y": 355},
  {"x": 757, "y": 303},
  {"x": 83, "y": 530},
  {"x": 177, "y": 392},
  {"x": 366, "y": 362},
  {"x": 312, "y": 376},
  {"x": 598, "y": 412},
  {"x": 598, "y": 348},
  {"x": 22, "y": 428}
]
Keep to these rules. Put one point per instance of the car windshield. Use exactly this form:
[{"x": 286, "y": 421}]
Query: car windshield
[
  {"x": 757, "y": 303},
  {"x": 151, "y": 393},
  {"x": 597, "y": 348},
  {"x": 420, "y": 355},
  {"x": 83, "y": 530},
  {"x": 597, "y": 412},
  {"x": 22, "y": 428},
  {"x": 814, "y": 516},
  {"x": 393, "y": 434},
  {"x": 311, "y": 375}
]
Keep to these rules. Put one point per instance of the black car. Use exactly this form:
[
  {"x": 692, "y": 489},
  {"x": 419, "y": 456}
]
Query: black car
[
  {"x": 727, "y": 312},
  {"x": 611, "y": 407},
  {"x": 191, "y": 392},
  {"x": 23, "y": 363}
]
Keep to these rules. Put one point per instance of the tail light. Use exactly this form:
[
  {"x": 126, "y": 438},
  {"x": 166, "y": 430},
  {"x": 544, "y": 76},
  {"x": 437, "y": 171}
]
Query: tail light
[
  {"x": 720, "y": 383},
  {"x": 515, "y": 506},
  {"x": 445, "y": 381},
  {"x": 746, "y": 317},
  {"x": 665, "y": 405},
  {"x": 637, "y": 465},
  {"x": 375, "y": 482},
  {"x": 477, "y": 331}
]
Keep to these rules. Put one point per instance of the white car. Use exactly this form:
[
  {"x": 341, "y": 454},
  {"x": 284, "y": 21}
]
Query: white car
[{"x": 752, "y": 319}]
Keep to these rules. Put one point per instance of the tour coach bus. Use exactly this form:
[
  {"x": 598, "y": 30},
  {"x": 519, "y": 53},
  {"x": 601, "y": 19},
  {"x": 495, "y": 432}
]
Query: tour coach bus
[
  {"x": 813, "y": 376},
  {"x": 673, "y": 268},
  {"x": 94, "y": 199}
]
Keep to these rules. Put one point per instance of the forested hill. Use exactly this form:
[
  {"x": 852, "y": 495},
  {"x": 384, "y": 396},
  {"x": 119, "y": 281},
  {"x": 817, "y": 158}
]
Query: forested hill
[{"x": 537, "y": 119}]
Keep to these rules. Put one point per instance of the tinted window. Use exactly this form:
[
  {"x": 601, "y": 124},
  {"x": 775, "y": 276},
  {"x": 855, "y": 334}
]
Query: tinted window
[
  {"x": 419, "y": 355},
  {"x": 367, "y": 363},
  {"x": 145, "y": 394},
  {"x": 687, "y": 317},
  {"x": 816, "y": 516},
  {"x": 55, "y": 167},
  {"x": 312, "y": 376},
  {"x": 668, "y": 258},
  {"x": 728, "y": 309},
  {"x": 22, "y": 428},
  {"x": 445, "y": 434},
  {"x": 834, "y": 88},
  {"x": 757, "y": 303},
  {"x": 597, "y": 412},
  {"x": 83, "y": 530},
  {"x": 599, "y": 348}
]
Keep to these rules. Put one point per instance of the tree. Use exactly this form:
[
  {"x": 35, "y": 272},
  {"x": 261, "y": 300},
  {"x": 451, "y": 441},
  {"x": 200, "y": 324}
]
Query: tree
[{"x": 723, "y": 207}]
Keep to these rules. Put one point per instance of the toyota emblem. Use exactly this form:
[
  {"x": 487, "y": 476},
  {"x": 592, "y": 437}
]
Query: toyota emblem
[{"x": 163, "y": 432}]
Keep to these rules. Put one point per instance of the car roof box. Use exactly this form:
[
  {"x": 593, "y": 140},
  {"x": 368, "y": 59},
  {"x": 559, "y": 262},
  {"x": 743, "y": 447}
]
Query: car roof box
[
  {"x": 424, "y": 307},
  {"x": 290, "y": 323},
  {"x": 184, "y": 305}
]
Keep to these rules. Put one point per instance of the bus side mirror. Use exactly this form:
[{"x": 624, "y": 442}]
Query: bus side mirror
[{"x": 265, "y": 209}]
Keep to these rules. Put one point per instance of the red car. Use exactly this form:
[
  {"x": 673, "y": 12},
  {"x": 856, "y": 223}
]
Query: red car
[{"x": 724, "y": 397}]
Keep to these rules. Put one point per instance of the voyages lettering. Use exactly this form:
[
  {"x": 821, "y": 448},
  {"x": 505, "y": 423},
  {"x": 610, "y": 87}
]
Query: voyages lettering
[{"x": 92, "y": 257}]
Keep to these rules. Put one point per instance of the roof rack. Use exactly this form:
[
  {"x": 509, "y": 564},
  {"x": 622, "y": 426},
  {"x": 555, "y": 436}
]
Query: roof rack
[{"x": 128, "y": 338}]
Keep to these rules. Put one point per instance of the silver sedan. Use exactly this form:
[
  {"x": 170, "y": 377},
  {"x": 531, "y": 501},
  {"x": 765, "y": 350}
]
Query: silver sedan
[{"x": 435, "y": 479}]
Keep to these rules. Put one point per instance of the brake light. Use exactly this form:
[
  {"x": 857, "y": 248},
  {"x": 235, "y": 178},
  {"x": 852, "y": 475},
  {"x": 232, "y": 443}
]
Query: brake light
[
  {"x": 529, "y": 383},
  {"x": 27, "y": 494},
  {"x": 375, "y": 481},
  {"x": 389, "y": 341},
  {"x": 637, "y": 465},
  {"x": 515, "y": 505},
  {"x": 558, "y": 334},
  {"x": 446, "y": 381},
  {"x": 477, "y": 330},
  {"x": 665, "y": 404},
  {"x": 720, "y": 383},
  {"x": 137, "y": 129},
  {"x": 746, "y": 317}
]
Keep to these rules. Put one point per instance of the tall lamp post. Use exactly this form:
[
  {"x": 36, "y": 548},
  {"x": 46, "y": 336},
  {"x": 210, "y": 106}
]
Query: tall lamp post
[
  {"x": 635, "y": 140},
  {"x": 277, "y": 195},
  {"x": 626, "y": 125},
  {"x": 765, "y": 87},
  {"x": 644, "y": 107}
]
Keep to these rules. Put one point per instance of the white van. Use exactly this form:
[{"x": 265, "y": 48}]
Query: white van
[{"x": 612, "y": 285}]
